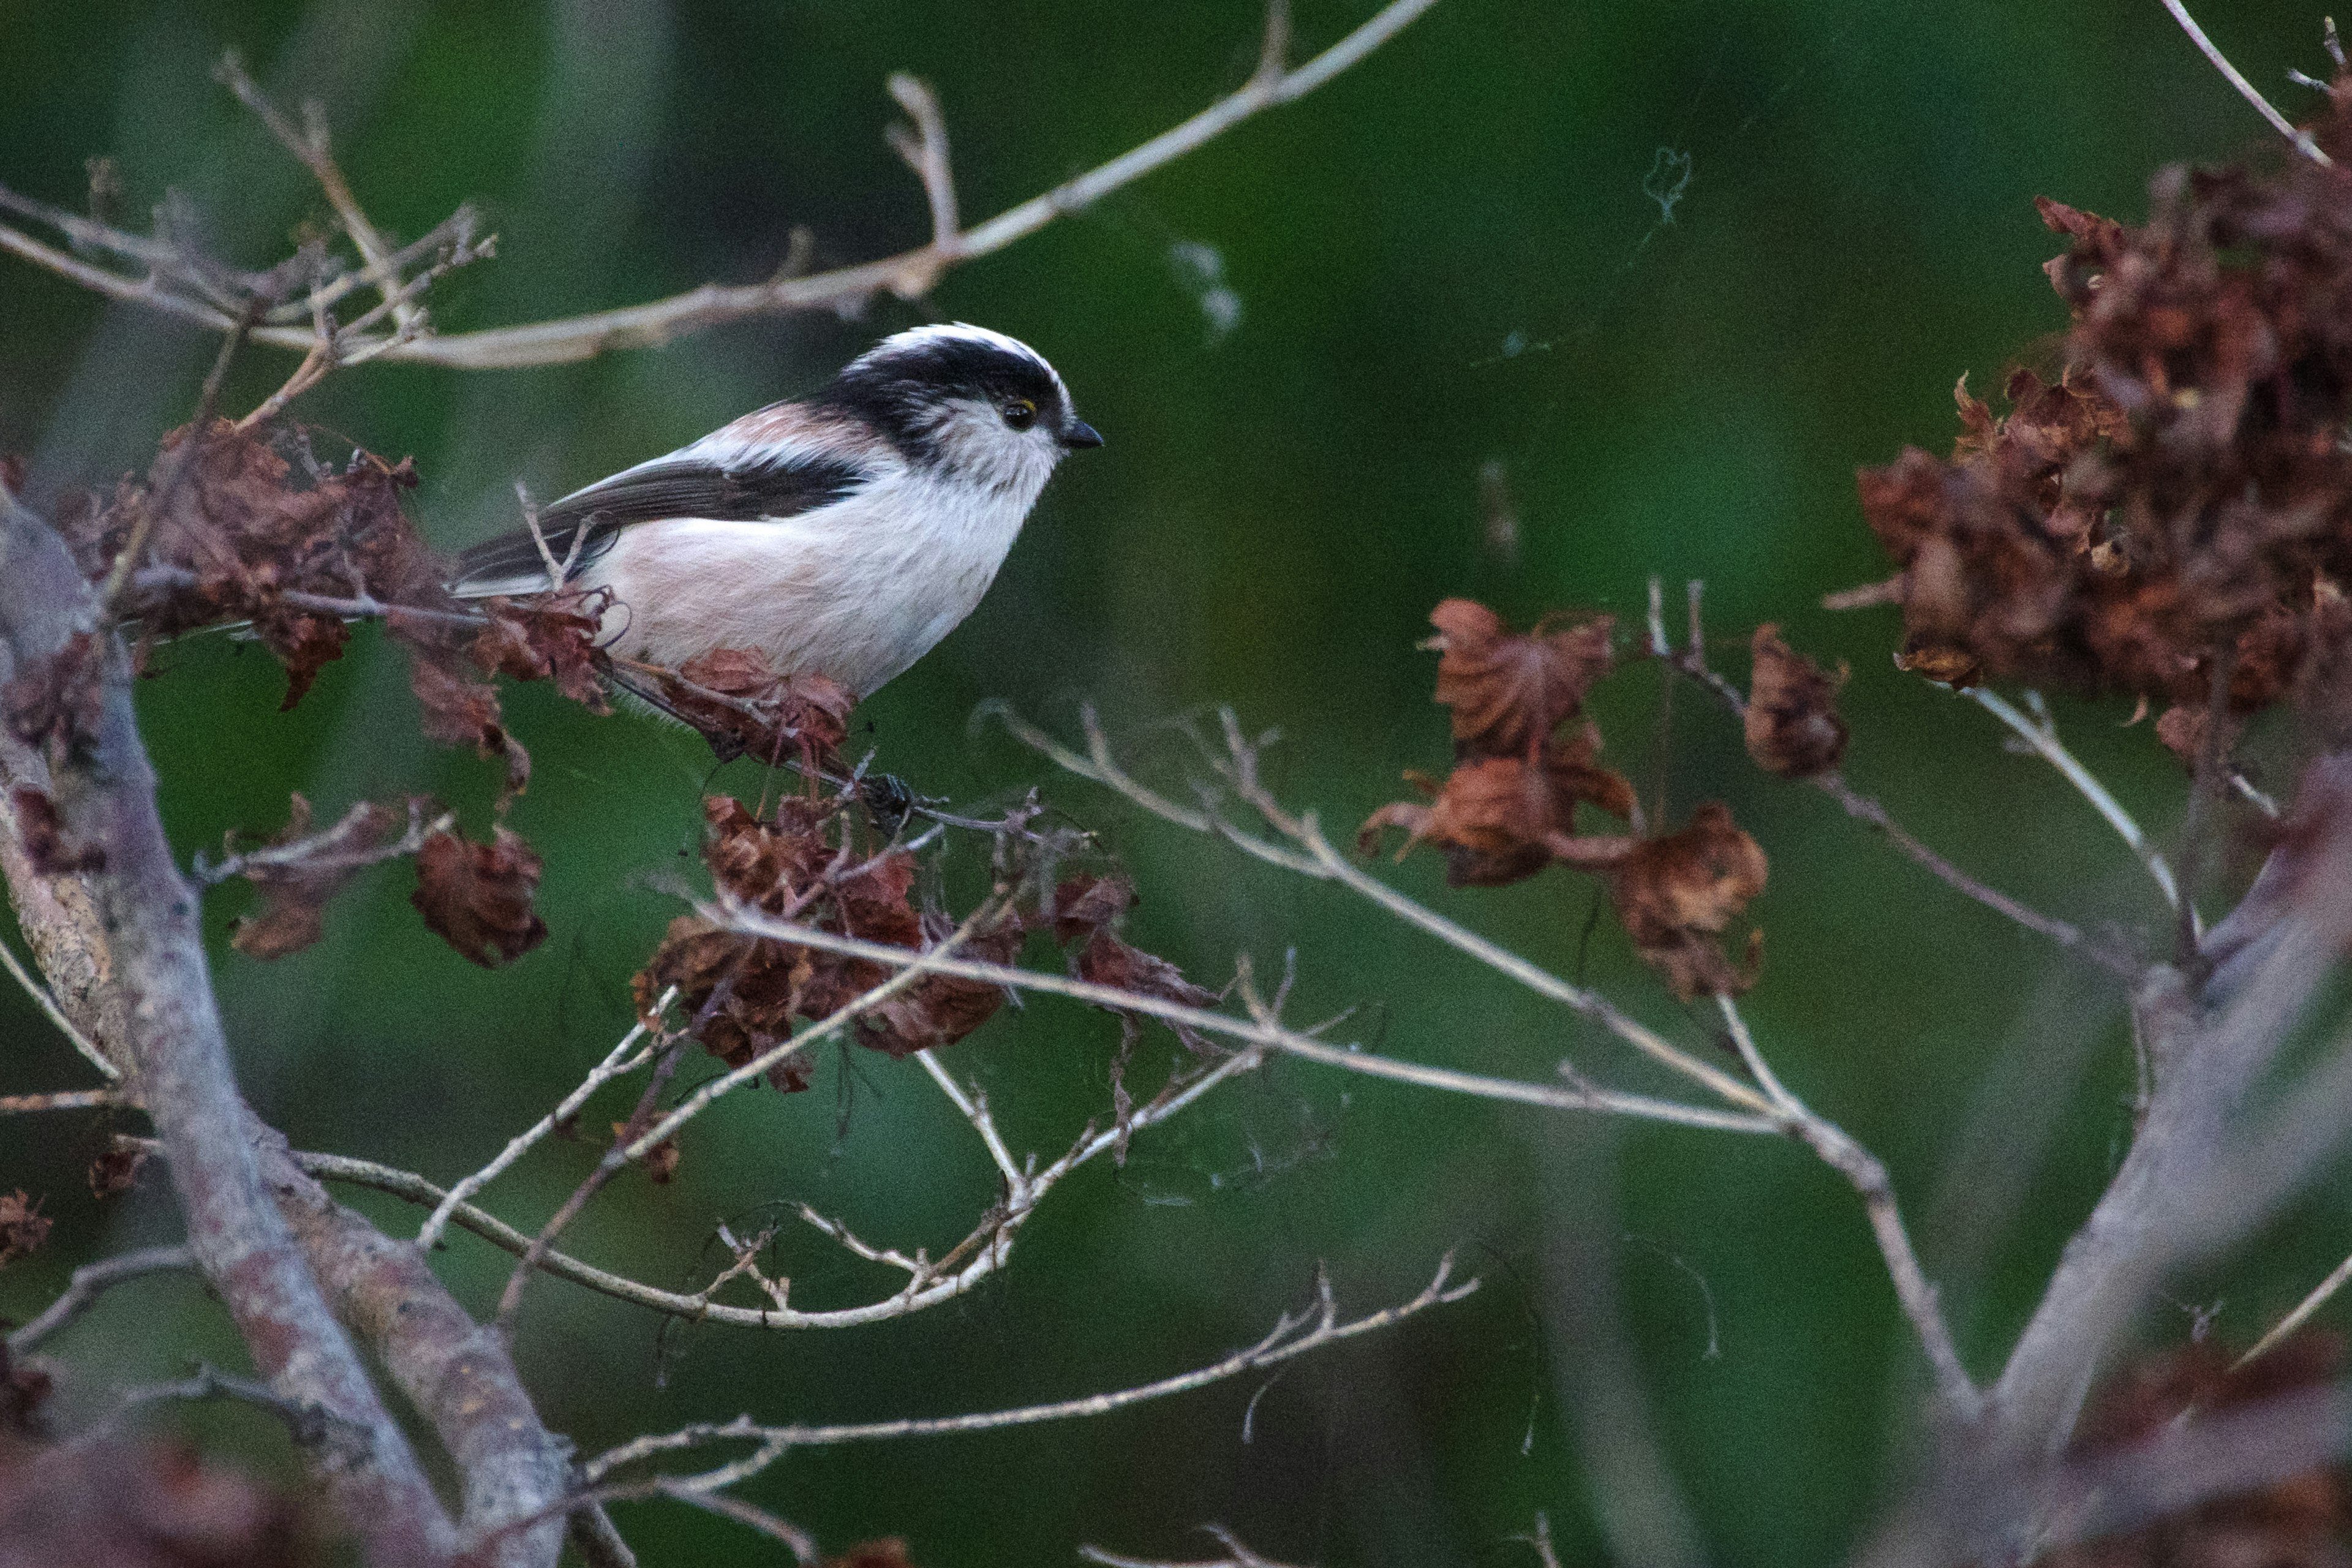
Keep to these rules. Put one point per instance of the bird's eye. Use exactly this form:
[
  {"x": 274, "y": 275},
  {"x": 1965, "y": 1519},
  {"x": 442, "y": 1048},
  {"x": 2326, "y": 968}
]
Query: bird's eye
[{"x": 1020, "y": 414}]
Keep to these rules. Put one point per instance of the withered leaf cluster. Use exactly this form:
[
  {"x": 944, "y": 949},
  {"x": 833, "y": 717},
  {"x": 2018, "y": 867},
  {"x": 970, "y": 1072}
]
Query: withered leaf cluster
[
  {"x": 743, "y": 707},
  {"x": 23, "y": 1226},
  {"x": 1525, "y": 757},
  {"x": 476, "y": 897},
  {"x": 742, "y": 994},
  {"x": 2177, "y": 506},
  {"x": 2302, "y": 1521},
  {"x": 230, "y": 531}
]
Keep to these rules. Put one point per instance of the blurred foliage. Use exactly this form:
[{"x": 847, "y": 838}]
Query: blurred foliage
[{"x": 1668, "y": 273}]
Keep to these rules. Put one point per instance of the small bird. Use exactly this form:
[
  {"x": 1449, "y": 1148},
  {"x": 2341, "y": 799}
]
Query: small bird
[{"x": 843, "y": 535}]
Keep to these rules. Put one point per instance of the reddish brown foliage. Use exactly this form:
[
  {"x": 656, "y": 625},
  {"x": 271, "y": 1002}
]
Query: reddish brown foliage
[
  {"x": 1508, "y": 809},
  {"x": 2302, "y": 1521},
  {"x": 230, "y": 534},
  {"x": 1792, "y": 724},
  {"x": 2182, "y": 494},
  {"x": 23, "y": 1226},
  {"x": 295, "y": 888},
  {"x": 1505, "y": 814},
  {"x": 744, "y": 993},
  {"x": 148, "y": 1505},
  {"x": 888, "y": 1553},
  {"x": 1677, "y": 894},
  {"x": 42, "y": 831},
  {"x": 478, "y": 896},
  {"x": 551, "y": 638},
  {"x": 1509, "y": 690},
  {"x": 745, "y": 709}
]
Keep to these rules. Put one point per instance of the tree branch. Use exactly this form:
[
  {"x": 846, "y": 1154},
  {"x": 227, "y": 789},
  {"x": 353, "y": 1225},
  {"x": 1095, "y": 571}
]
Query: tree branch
[{"x": 909, "y": 273}]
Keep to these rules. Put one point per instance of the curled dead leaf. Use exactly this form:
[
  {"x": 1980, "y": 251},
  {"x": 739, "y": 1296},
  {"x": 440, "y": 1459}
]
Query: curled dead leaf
[
  {"x": 1675, "y": 895},
  {"x": 478, "y": 896},
  {"x": 1792, "y": 724},
  {"x": 1509, "y": 690}
]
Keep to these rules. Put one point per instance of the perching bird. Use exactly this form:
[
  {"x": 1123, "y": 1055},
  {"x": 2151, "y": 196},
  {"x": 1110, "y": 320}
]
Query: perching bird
[{"x": 841, "y": 536}]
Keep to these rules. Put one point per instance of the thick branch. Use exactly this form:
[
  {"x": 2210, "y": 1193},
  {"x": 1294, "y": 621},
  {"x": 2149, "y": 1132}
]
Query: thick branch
[{"x": 172, "y": 1047}]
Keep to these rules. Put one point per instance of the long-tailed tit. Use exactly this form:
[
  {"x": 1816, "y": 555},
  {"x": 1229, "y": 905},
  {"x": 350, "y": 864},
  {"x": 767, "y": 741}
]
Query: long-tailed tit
[{"x": 842, "y": 536}]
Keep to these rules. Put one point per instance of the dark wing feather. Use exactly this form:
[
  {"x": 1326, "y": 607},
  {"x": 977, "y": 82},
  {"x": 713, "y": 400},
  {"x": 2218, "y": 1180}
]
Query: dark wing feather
[{"x": 745, "y": 490}]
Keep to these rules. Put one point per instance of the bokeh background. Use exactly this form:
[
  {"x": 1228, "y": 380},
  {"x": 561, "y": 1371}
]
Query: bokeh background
[{"x": 1670, "y": 271}]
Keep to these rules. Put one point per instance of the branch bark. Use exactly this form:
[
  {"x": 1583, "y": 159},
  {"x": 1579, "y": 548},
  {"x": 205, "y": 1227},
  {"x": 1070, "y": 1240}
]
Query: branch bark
[{"x": 121, "y": 949}]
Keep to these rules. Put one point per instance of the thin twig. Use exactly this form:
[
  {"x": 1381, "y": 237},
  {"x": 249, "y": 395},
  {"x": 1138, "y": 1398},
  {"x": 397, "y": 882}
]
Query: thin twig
[
  {"x": 616, "y": 1063},
  {"x": 309, "y": 146},
  {"x": 752, "y": 922},
  {"x": 1868, "y": 1174},
  {"x": 64, "y": 1100},
  {"x": 2304, "y": 1308},
  {"x": 1296, "y": 1334},
  {"x": 56, "y": 1015},
  {"x": 2246, "y": 89},
  {"x": 984, "y": 1251},
  {"x": 575, "y": 338},
  {"x": 90, "y": 1282},
  {"x": 1237, "y": 1556},
  {"x": 626, "y": 1150},
  {"x": 2043, "y": 740}
]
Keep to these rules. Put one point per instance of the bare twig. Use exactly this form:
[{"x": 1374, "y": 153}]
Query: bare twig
[
  {"x": 2287, "y": 1326},
  {"x": 930, "y": 1281},
  {"x": 2042, "y": 738},
  {"x": 1868, "y": 1176},
  {"x": 1237, "y": 1554},
  {"x": 56, "y": 1015},
  {"x": 583, "y": 337},
  {"x": 2246, "y": 89},
  {"x": 310, "y": 1426},
  {"x": 1294, "y": 1335},
  {"x": 63, "y": 1099},
  {"x": 616, "y": 1062},
  {"x": 330, "y": 850},
  {"x": 309, "y": 145},
  {"x": 90, "y": 1282},
  {"x": 751, "y": 923}
]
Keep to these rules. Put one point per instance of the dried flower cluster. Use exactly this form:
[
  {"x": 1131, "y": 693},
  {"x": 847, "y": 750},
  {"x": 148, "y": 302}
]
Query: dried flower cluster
[
  {"x": 1525, "y": 759},
  {"x": 802, "y": 863},
  {"x": 2174, "y": 512}
]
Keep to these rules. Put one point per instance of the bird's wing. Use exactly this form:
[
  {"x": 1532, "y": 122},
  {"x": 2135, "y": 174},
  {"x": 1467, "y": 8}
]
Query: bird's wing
[{"x": 721, "y": 477}]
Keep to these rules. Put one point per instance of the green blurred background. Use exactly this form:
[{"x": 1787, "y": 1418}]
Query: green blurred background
[{"x": 1460, "y": 254}]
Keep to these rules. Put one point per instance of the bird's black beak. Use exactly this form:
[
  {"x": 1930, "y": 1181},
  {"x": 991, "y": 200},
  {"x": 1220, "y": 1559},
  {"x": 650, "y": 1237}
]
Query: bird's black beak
[{"x": 1078, "y": 433}]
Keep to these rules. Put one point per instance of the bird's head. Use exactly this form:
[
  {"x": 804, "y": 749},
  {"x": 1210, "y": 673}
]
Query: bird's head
[{"x": 965, "y": 402}]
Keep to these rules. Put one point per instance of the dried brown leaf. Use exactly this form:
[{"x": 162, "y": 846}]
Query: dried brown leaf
[
  {"x": 295, "y": 892},
  {"x": 1792, "y": 724},
  {"x": 1677, "y": 894},
  {"x": 478, "y": 896},
  {"x": 1509, "y": 690}
]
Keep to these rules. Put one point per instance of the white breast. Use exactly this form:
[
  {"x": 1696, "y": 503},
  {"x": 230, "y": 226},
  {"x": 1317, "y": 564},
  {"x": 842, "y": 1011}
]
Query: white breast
[{"x": 856, "y": 591}]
